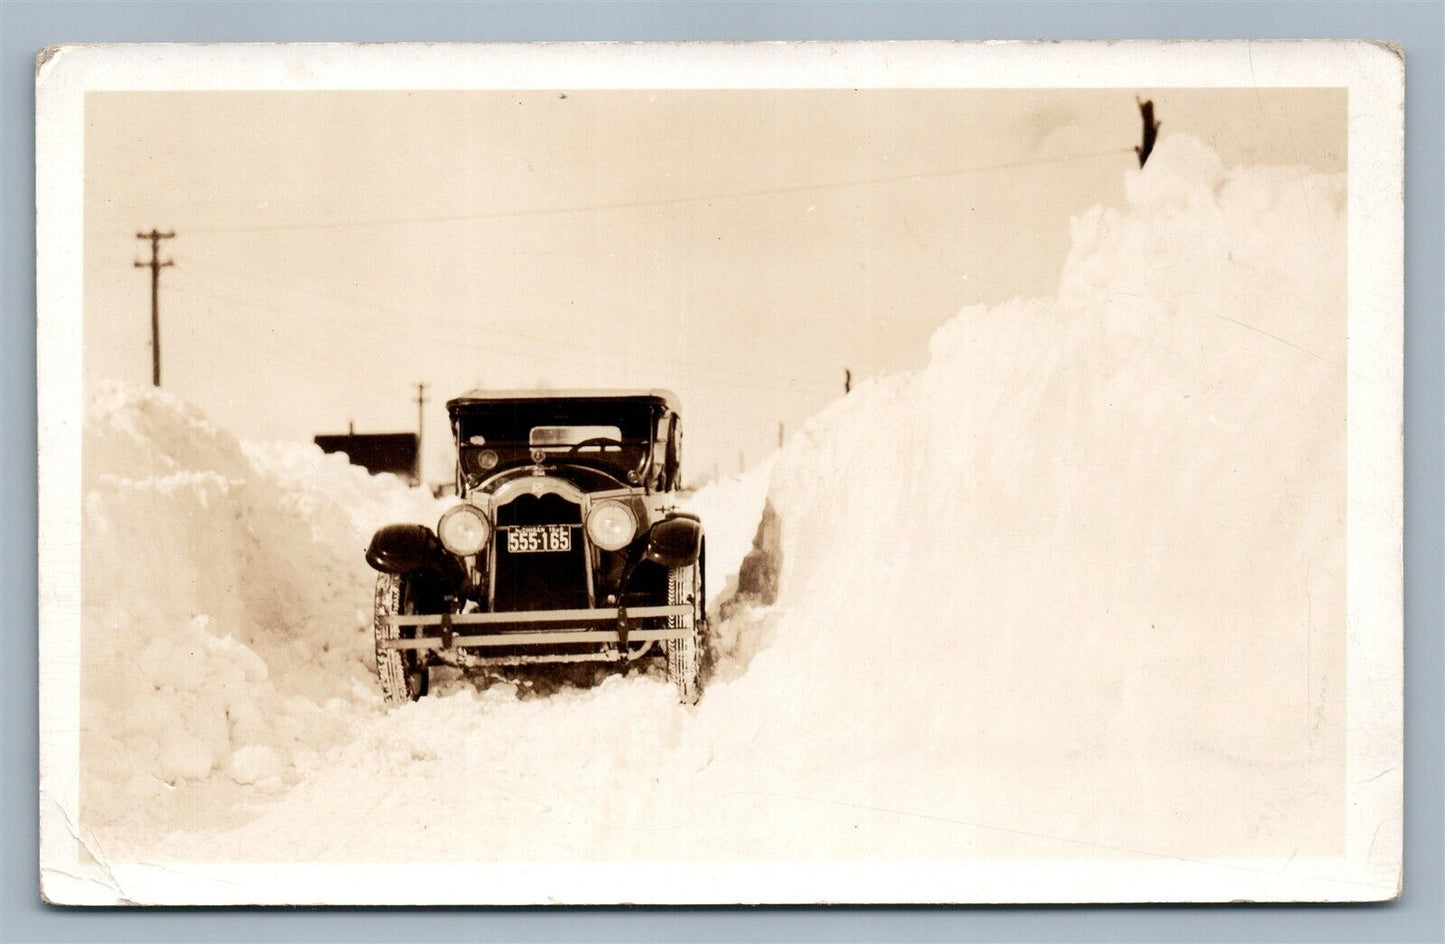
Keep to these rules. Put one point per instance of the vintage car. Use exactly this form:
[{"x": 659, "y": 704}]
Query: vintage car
[{"x": 565, "y": 544}]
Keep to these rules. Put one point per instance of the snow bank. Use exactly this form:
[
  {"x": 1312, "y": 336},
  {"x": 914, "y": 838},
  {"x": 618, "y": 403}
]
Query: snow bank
[
  {"x": 224, "y": 633},
  {"x": 1106, "y": 523}
]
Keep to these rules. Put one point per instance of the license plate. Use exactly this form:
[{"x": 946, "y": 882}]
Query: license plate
[{"x": 551, "y": 537}]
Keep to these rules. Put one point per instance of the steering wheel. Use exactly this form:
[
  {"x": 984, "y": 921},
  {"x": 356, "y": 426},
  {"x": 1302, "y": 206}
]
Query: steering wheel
[{"x": 594, "y": 441}]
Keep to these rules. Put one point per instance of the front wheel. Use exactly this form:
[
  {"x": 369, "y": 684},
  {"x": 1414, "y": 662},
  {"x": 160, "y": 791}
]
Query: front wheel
[
  {"x": 403, "y": 672},
  {"x": 685, "y": 655}
]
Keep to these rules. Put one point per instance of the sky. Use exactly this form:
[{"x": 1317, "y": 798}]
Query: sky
[{"x": 742, "y": 248}]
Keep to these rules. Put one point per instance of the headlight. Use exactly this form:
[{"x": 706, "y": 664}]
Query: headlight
[
  {"x": 611, "y": 525},
  {"x": 464, "y": 530}
]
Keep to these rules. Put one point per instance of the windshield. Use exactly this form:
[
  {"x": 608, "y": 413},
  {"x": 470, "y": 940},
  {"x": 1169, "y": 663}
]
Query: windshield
[
  {"x": 567, "y": 437},
  {"x": 616, "y": 436}
]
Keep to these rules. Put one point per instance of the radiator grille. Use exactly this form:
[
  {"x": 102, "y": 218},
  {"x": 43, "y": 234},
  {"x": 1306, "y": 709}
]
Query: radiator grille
[{"x": 541, "y": 580}]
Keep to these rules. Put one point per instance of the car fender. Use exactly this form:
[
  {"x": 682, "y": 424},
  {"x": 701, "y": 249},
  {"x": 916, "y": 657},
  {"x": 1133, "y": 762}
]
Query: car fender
[
  {"x": 411, "y": 548},
  {"x": 676, "y": 541}
]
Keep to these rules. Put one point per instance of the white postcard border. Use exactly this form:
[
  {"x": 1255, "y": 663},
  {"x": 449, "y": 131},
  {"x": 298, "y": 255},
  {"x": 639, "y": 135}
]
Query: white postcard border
[{"x": 1373, "y": 75}]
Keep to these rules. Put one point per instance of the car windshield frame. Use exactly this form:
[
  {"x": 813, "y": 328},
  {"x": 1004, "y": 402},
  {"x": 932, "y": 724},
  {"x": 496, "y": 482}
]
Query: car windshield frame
[{"x": 507, "y": 427}]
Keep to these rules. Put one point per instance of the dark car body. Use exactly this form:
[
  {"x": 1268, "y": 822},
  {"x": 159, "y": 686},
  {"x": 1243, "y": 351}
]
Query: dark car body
[{"x": 565, "y": 544}]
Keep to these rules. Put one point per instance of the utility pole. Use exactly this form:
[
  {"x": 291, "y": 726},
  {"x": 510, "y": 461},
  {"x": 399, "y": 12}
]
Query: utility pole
[
  {"x": 420, "y": 424},
  {"x": 155, "y": 265}
]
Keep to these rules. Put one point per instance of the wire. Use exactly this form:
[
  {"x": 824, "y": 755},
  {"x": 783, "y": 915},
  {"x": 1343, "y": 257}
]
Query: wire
[
  {"x": 596, "y": 354},
  {"x": 259, "y": 339},
  {"x": 590, "y": 356},
  {"x": 642, "y": 204}
]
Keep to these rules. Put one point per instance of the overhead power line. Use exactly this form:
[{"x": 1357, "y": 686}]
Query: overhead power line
[
  {"x": 643, "y": 204},
  {"x": 446, "y": 332}
]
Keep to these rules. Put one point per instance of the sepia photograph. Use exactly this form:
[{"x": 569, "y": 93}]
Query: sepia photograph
[{"x": 720, "y": 473}]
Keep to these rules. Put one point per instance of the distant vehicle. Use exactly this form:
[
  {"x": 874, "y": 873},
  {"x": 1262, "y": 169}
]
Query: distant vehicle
[{"x": 565, "y": 544}]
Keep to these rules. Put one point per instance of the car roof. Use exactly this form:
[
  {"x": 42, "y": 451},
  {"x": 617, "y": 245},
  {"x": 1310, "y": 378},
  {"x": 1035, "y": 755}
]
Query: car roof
[{"x": 477, "y": 397}]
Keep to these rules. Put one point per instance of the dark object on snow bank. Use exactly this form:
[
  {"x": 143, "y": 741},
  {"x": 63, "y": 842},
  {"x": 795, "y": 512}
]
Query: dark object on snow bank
[
  {"x": 758, "y": 574},
  {"x": 1151, "y": 129}
]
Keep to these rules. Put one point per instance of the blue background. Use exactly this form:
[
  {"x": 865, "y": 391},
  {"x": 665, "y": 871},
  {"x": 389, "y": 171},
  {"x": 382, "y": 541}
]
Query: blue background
[{"x": 1418, "y": 27}]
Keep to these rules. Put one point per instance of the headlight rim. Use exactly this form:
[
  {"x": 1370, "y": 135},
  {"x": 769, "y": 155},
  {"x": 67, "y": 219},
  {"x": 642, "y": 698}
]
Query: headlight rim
[
  {"x": 460, "y": 508},
  {"x": 601, "y": 506}
]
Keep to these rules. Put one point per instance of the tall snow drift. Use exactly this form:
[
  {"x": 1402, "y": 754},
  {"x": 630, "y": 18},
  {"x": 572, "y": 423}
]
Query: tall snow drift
[
  {"x": 1106, "y": 525},
  {"x": 223, "y": 600}
]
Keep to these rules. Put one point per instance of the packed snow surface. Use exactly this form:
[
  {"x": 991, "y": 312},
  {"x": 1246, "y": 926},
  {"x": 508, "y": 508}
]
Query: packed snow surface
[{"x": 1073, "y": 588}]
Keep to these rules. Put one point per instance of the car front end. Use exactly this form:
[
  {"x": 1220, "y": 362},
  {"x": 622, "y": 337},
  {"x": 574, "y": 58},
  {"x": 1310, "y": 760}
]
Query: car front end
[{"x": 565, "y": 545}]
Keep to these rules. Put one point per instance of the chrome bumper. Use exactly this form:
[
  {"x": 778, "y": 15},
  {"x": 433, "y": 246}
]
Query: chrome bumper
[{"x": 596, "y": 626}]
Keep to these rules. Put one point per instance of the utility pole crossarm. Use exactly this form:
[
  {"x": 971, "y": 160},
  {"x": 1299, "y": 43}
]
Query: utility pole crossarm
[{"x": 155, "y": 265}]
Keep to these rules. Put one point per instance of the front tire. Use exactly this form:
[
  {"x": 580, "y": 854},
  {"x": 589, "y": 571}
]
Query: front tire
[
  {"x": 403, "y": 672},
  {"x": 685, "y": 655}
]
